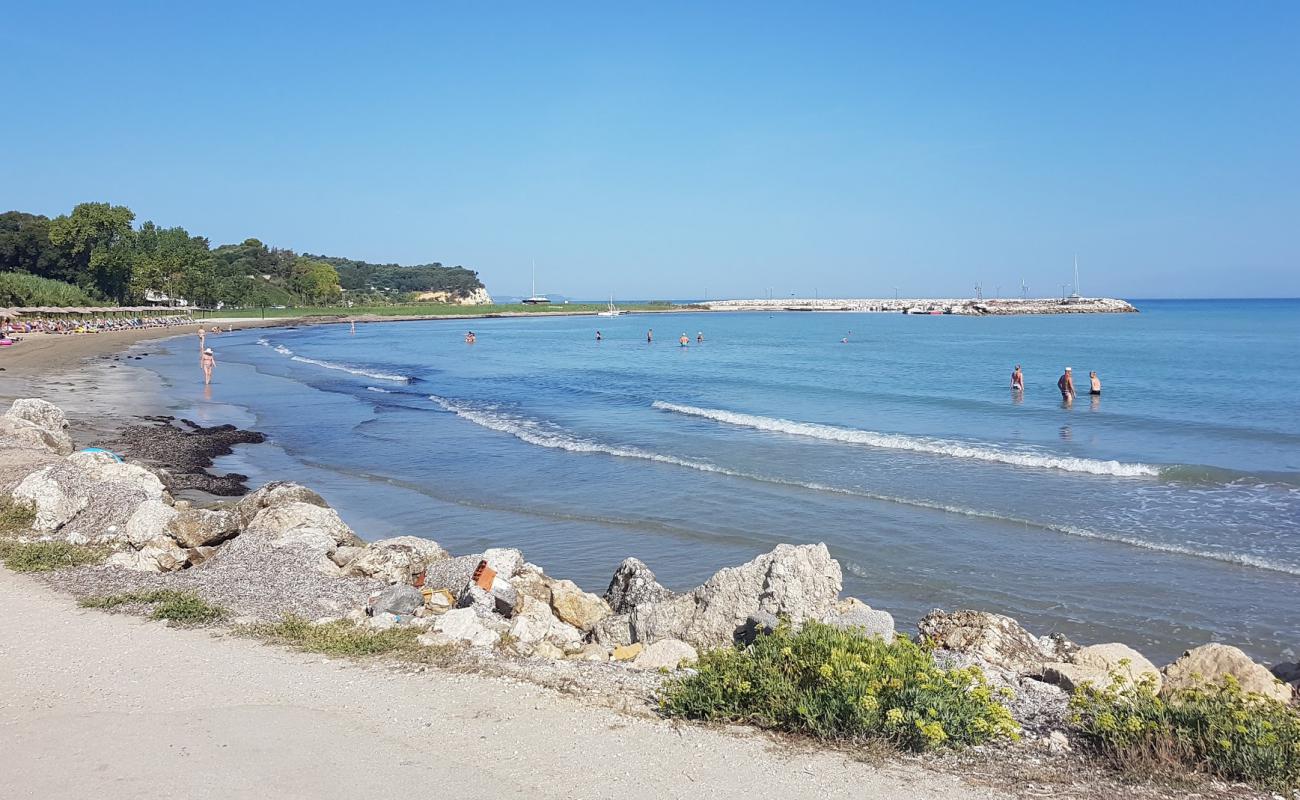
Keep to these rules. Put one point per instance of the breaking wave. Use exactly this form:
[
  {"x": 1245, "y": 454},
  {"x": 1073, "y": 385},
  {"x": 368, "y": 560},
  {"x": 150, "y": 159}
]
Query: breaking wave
[
  {"x": 548, "y": 435},
  {"x": 916, "y": 444},
  {"x": 365, "y": 373}
]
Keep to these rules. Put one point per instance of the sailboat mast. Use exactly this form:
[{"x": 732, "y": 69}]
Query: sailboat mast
[{"x": 1076, "y": 273}]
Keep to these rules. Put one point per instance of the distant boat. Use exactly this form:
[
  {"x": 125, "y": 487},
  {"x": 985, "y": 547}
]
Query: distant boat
[
  {"x": 611, "y": 310},
  {"x": 536, "y": 299}
]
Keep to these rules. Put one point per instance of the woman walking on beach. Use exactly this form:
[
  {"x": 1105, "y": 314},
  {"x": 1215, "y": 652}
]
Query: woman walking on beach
[{"x": 207, "y": 362}]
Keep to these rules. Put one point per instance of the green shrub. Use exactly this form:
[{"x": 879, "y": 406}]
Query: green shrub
[
  {"x": 836, "y": 684},
  {"x": 1217, "y": 728},
  {"x": 346, "y": 640},
  {"x": 22, "y": 289},
  {"x": 46, "y": 556},
  {"x": 179, "y": 606}
]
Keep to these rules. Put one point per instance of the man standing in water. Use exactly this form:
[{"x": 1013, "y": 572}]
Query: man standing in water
[
  {"x": 1094, "y": 387},
  {"x": 207, "y": 361},
  {"x": 650, "y": 336},
  {"x": 1066, "y": 384},
  {"x": 598, "y": 336},
  {"x": 1017, "y": 380}
]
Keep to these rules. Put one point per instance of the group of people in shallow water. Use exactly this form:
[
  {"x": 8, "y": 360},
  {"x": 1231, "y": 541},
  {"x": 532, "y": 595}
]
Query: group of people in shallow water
[
  {"x": 682, "y": 340},
  {"x": 1065, "y": 383}
]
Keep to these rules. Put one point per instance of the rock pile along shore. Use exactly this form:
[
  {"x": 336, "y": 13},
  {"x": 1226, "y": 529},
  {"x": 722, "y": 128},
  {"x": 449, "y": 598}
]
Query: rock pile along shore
[
  {"x": 282, "y": 550},
  {"x": 958, "y": 306}
]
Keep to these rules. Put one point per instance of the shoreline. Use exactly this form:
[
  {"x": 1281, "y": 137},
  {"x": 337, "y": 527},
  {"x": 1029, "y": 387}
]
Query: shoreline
[{"x": 255, "y": 582}]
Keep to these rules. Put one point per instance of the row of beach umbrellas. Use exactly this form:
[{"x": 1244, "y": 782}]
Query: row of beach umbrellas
[{"x": 25, "y": 311}]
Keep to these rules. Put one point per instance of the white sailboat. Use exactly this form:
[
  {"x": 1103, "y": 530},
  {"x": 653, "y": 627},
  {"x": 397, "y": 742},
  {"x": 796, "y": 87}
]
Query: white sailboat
[
  {"x": 1075, "y": 296},
  {"x": 611, "y": 310},
  {"x": 535, "y": 298}
]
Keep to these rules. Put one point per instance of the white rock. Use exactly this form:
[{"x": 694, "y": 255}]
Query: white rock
[
  {"x": 35, "y": 423},
  {"x": 545, "y": 649},
  {"x": 505, "y": 561},
  {"x": 305, "y": 527},
  {"x": 576, "y": 607},
  {"x": 665, "y": 654},
  {"x": 466, "y": 625},
  {"x": 150, "y": 521},
  {"x": 796, "y": 582},
  {"x": 54, "y": 506},
  {"x": 393, "y": 560}
]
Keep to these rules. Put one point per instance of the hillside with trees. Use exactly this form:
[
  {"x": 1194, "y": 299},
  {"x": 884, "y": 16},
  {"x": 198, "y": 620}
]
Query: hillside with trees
[{"x": 96, "y": 254}]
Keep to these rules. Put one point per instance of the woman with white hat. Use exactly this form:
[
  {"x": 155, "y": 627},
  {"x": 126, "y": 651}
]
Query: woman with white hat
[{"x": 207, "y": 362}]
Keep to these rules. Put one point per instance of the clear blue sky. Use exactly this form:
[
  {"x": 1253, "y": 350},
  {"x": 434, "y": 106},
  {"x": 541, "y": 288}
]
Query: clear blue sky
[{"x": 666, "y": 150}]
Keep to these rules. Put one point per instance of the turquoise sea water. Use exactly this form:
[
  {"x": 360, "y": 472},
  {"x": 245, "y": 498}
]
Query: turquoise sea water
[{"x": 1165, "y": 513}]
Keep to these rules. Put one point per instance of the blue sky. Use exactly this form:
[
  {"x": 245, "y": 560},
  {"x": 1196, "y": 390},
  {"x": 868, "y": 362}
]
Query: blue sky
[{"x": 674, "y": 150}]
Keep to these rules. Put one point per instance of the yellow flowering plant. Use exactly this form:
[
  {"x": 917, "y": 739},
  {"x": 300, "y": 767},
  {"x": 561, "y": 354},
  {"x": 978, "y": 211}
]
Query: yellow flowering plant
[
  {"x": 838, "y": 684},
  {"x": 1216, "y": 727}
]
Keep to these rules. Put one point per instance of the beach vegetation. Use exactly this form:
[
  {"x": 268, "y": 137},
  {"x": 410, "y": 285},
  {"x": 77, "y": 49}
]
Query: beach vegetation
[
  {"x": 1217, "y": 728},
  {"x": 15, "y": 517},
  {"x": 343, "y": 639},
  {"x": 22, "y": 289},
  {"x": 95, "y": 254},
  {"x": 21, "y": 556},
  {"x": 175, "y": 605},
  {"x": 832, "y": 683}
]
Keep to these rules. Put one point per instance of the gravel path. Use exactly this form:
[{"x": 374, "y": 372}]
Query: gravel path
[{"x": 107, "y": 706}]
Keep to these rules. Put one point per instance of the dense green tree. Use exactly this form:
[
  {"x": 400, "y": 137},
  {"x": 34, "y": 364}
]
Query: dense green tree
[
  {"x": 25, "y": 246},
  {"x": 97, "y": 237},
  {"x": 171, "y": 261},
  {"x": 315, "y": 280},
  {"x": 96, "y": 248}
]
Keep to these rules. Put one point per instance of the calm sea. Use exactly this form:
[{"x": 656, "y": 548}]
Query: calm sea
[{"x": 1164, "y": 514}]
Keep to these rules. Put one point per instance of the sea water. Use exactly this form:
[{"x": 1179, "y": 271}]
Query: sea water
[{"x": 1163, "y": 513}]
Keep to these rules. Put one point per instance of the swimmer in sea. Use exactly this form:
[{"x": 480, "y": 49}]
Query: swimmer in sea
[
  {"x": 470, "y": 338},
  {"x": 598, "y": 336},
  {"x": 684, "y": 340},
  {"x": 1017, "y": 380},
  {"x": 650, "y": 336},
  {"x": 1066, "y": 384},
  {"x": 699, "y": 337},
  {"x": 1094, "y": 384}
]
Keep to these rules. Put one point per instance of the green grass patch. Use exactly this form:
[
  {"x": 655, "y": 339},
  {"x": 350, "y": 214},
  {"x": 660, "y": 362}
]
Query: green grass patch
[
  {"x": 15, "y": 517},
  {"x": 343, "y": 639},
  {"x": 1216, "y": 728},
  {"x": 183, "y": 607},
  {"x": 836, "y": 684},
  {"x": 47, "y": 556}
]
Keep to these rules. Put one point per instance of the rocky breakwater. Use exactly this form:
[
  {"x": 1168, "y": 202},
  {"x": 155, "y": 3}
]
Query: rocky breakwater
[
  {"x": 282, "y": 550},
  {"x": 930, "y": 305}
]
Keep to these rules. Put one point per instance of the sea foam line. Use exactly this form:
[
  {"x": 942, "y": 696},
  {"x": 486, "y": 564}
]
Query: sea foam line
[
  {"x": 366, "y": 373},
  {"x": 915, "y": 444},
  {"x": 534, "y": 432}
]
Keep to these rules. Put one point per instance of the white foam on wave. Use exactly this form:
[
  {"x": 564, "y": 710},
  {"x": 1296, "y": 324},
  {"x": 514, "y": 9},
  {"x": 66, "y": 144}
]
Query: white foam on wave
[
  {"x": 542, "y": 435},
  {"x": 915, "y": 444},
  {"x": 365, "y": 373},
  {"x": 377, "y": 389}
]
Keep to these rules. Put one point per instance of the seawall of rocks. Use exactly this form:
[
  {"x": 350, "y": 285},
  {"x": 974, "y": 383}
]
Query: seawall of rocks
[
  {"x": 282, "y": 550},
  {"x": 959, "y": 306}
]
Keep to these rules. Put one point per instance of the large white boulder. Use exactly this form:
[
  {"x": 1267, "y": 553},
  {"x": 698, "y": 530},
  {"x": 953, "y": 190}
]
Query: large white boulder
[
  {"x": 580, "y": 609},
  {"x": 54, "y": 505},
  {"x": 794, "y": 582},
  {"x": 394, "y": 560},
  {"x": 34, "y": 423},
  {"x": 273, "y": 494},
  {"x": 1211, "y": 663},
  {"x": 851, "y": 613},
  {"x": 305, "y": 528},
  {"x": 461, "y": 625}
]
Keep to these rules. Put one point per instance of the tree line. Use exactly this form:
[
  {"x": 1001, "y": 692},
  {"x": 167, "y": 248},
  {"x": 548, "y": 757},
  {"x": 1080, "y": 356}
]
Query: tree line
[{"x": 97, "y": 249}]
